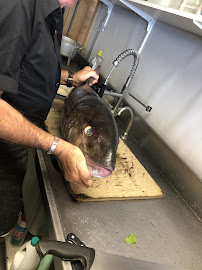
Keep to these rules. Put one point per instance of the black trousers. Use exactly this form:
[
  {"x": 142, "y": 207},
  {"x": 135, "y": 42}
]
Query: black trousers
[{"x": 13, "y": 165}]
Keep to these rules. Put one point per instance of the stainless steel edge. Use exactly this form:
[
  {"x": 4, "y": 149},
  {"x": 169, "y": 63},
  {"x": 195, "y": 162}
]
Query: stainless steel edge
[{"x": 54, "y": 212}]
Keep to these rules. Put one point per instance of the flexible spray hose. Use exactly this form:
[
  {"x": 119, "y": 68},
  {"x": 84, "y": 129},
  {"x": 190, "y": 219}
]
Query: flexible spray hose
[
  {"x": 116, "y": 63},
  {"x": 123, "y": 55}
]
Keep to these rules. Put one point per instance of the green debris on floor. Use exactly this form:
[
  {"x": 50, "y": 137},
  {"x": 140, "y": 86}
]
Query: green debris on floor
[{"x": 131, "y": 239}]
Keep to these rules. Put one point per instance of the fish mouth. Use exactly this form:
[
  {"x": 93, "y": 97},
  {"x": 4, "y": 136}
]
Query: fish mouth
[{"x": 98, "y": 170}]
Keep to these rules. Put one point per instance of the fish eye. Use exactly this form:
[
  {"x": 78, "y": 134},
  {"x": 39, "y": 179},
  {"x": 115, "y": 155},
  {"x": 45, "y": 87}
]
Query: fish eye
[{"x": 88, "y": 131}]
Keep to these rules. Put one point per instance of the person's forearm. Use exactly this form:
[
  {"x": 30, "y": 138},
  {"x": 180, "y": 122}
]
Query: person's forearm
[
  {"x": 64, "y": 76},
  {"x": 16, "y": 129}
]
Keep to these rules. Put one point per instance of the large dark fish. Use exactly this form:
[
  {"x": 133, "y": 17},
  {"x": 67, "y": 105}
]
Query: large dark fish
[{"x": 88, "y": 123}]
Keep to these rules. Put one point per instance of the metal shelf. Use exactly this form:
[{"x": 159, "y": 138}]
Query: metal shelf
[{"x": 178, "y": 18}]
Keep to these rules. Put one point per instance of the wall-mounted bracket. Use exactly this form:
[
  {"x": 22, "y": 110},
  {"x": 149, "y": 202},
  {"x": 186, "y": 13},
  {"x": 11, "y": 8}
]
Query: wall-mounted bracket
[
  {"x": 142, "y": 14},
  {"x": 197, "y": 23},
  {"x": 109, "y": 10},
  {"x": 151, "y": 21}
]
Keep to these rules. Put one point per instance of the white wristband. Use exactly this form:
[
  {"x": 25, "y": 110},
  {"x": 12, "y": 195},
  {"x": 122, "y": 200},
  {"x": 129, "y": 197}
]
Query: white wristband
[{"x": 53, "y": 146}]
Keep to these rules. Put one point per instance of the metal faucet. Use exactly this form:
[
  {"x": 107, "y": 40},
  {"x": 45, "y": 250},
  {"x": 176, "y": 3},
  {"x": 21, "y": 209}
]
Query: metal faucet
[
  {"x": 124, "y": 136},
  {"x": 129, "y": 79},
  {"x": 103, "y": 90}
]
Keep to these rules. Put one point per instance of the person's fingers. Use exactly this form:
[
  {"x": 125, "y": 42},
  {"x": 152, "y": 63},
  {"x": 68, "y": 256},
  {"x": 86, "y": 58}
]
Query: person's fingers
[
  {"x": 84, "y": 174},
  {"x": 76, "y": 180},
  {"x": 84, "y": 74},
  {"x": 71, "y": 176},
  {"x": 94, "y": 75},
  {"x": 93, "y": 82},
  {"x": 73, "y": 164}
]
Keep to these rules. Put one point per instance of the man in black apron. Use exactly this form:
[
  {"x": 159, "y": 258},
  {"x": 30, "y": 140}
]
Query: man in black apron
[{"x": 30, "y": 72}]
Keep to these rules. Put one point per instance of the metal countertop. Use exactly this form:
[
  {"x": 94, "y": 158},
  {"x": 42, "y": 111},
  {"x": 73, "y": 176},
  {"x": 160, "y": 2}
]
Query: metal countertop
[{"x": 167, "y": 231}]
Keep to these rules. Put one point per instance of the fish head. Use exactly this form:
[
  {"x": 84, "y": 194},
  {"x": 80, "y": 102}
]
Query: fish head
[
  {"x": 92, "y": 127},
  {"x": 99, "y": 145}
]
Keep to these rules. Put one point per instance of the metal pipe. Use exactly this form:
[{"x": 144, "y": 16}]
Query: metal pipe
[
  {"x": 72, "y": 18},
  {"x": 148, "y": 108},
  {"x": 112, "y": 93},
  {"x": 124, "y": 136},
  {"x": 147, "y": 35},
  {"x": 117, "y": 105}
]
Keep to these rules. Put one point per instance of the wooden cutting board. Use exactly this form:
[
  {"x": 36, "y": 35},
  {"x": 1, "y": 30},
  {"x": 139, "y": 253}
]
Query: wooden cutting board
[{"x": 129, "y": 180}]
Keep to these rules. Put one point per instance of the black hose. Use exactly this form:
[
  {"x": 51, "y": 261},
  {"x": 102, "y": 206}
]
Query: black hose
[{"x": 101, "y": 92}]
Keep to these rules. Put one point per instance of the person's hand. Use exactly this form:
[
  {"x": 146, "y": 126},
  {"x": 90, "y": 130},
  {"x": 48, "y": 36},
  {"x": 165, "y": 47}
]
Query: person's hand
[
  {"x": 73, "y": 164},
  {"x": 84, "y": 74}
]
